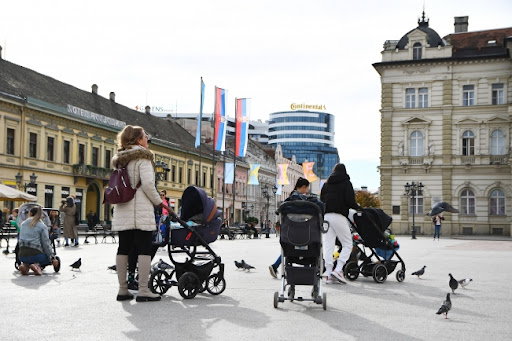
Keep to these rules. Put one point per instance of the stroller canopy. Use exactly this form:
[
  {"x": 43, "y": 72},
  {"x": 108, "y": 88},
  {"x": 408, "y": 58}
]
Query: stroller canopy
[
  {"x": 24, "y": 210},
  {"x": 195, "y": 203}
]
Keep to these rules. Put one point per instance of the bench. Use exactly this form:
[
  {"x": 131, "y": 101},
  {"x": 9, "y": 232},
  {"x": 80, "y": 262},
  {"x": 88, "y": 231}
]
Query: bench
[
  {"x": 6, "y": 233},
  {"x": 98, "y": 231}
]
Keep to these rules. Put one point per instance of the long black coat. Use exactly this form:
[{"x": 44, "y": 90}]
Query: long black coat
[{"x": 338, "y": 193}]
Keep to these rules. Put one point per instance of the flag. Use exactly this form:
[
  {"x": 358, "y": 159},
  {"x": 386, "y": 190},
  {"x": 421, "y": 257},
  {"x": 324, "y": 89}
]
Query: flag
[
  {"x": 283, "y": 177},
  {"x": 242, "y": 126},
  {"x": 279, "y": 189},
  {"x": 220, "y": 119},
  {"x": 200, "y": 118},
  {"x": 229, "y": 172},
  {"x": 253, "y": 174},
  {"x": 308, "y": 171}
]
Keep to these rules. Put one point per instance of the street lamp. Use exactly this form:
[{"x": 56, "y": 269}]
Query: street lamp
[
  {"x": 412, "y": 190},
  {"x": 19, "y": 179},
  {"x": 267, "y": 194},
  {"x": 161, "y": 170}
]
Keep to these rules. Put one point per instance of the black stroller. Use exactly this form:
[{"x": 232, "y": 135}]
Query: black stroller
[
  {"x": 301, "y": 245},
  {"x": 199, "y": 225},
  {"x": 370, "y": 226}
]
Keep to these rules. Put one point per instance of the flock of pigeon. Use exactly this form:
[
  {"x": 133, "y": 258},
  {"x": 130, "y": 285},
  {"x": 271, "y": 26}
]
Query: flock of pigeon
[
  {"x": 453, "y": 283},
  {"x": 243, "y": 265}
]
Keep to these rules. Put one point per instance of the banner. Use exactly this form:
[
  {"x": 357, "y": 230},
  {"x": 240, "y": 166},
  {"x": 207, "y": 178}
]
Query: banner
[
  {"x": 279, "y": 189},
  {"x": 200, "y": 117},
  {"x": 283, "y": 177},
  {"x": 220, "y": 119},
  {"x": 229, "y": 172},
  {"x": 241, "y": 126},
  {"x": 253, "y": 174},
  {"x": 308, "y": 171}
]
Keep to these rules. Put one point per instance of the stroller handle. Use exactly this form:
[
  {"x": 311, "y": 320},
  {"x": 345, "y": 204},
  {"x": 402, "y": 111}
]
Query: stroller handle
[{"x": 304, "y": 203}]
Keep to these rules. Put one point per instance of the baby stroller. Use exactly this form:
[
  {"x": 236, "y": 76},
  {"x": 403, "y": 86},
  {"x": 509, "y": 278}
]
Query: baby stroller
[
  {"x": 370, "y": 226},
  {"x": 199, "y": 225},
  {"x": 301, "y": 246}
]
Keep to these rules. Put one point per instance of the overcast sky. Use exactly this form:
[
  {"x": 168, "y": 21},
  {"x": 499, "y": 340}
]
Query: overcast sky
[{"x": 276, "y": 52}]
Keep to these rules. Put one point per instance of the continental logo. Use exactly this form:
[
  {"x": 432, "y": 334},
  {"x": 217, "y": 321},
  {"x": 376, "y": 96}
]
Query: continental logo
[{"x": 296, "y": 106}]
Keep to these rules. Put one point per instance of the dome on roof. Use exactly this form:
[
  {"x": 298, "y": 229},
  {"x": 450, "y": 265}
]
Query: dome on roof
[{"x": 433, "y": 39}]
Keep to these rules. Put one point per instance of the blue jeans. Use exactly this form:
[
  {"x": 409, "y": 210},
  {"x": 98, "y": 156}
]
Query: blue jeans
[
  {"x": 277, "y": 263},
  {"x": 437, "y": 231},
  {"x": 41, "y": 259}
]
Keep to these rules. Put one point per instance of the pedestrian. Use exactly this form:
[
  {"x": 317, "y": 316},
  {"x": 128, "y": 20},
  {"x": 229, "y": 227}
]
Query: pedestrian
[
  {"x": 13, "y": 219},
  {"x": 135, "y": 219},
  {"x": 68, "y": 207},
  {"x": 90, "y": 221},
  {"x": 437, "y": 225},
  {"x": 338, "y": 196},
  {"x": 55, "y": 227}
]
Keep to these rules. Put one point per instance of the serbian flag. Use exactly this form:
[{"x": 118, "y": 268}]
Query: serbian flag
[
  {"x": 200, "y": 118},
  {"x": 283, "y": 177},
  {"x": 307, "y": 167},
  {"x": 253, "y": 174},
  {"x": 220, "y": 119},
  {"x": 242, "y": 126}
]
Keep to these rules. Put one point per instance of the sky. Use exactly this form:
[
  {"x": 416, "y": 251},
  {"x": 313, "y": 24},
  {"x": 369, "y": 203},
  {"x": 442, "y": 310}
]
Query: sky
[{"x": 276, "y": 52}]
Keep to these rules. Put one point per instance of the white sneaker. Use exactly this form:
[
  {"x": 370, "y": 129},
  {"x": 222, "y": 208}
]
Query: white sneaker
[
  {"x": 339, "y": 276},
  {"x": 331, "y": 280}
]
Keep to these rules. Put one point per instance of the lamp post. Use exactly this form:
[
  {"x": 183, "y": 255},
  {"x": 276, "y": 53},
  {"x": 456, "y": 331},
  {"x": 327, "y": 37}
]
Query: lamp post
[
  {"x": 412, "y": 190},
  {"x": 267, "y": 193},
  {"x": 161, "y": 170},
  {"x": 19, "y": 179}
]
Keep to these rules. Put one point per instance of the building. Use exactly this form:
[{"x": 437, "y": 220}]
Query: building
[
  {"x": 446, "y": 123},
  {"x": 65, "y": 137},
  {"x": 309, "y": 135}
]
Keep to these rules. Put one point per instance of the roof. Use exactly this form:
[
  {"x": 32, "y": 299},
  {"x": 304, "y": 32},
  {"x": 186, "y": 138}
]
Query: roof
[
  {"x": 23, "y": 82},
  {"x": 479, "y": 43},
  {"x": 433, "y": 39}
]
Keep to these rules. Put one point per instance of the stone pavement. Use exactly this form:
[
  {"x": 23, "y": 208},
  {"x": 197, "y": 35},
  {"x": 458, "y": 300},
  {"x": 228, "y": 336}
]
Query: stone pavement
[{"x": 81, "y": 305}]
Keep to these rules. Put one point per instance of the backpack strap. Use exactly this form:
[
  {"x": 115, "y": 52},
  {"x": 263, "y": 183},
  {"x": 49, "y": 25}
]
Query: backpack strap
[{"x": 124, "y": 166}]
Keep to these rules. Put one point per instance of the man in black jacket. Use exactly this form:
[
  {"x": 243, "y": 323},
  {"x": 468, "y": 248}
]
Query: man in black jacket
[{"x": 338, "y": 196}]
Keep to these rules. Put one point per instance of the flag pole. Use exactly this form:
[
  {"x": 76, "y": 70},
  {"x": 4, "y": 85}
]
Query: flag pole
[
  {"x": 200, "y": 175},
  {"x": 234, "y": 160},
  {"x": 213, "y": 148}
]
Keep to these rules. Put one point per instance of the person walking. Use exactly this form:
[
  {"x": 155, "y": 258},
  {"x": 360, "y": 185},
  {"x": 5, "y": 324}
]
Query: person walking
[
  {"x": 437, "y": 225},
  {"x": 135, "y": 219},
  {"x": 338, "y": 196},
  {"x": 68, "y": 207}
]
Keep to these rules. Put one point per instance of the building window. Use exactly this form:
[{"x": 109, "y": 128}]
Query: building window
[
  {"x": 10, "y": 141},
  {"x": 468, "y": 95},
  {"x": 467, "y": 202},
  {"x": 416, "y": 51},
  {"x": 498, "y": 94},
  {"x": 410, "y": 98},
  {"x": 48, "y": 196},
  {"x": 189, "y": 175},
  {"x": 81, "y": 154},
  {"x": 497, "y": 142},
  {"x": 32, "y": 147},
  {"x": 468, "y": 143},
  {"x": 94, "y": 156},
  {"x": 416, "y": 204},
  {"x": 108, "y": 157},
  {"x": 422, "y": 97},
  {"x": 497, "y": 202},
  {"x": 197, "y": 178},
  {"x": 416, "y": 143},
  {"x": 49, "y": 148},
  {"x": 65, "y": 156},
  {"x": 180, "y": 175},
  {"x": 173, "y": 173}
]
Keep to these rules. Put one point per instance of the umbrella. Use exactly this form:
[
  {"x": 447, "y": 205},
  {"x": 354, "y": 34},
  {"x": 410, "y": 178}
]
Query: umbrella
[
  {"x": 11, "y": 194},
  {"x": 441, "y": 207}
]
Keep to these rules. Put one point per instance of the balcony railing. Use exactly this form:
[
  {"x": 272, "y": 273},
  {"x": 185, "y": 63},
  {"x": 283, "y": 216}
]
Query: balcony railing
[
  {"x": 89, "y": 171},
  {"x": 499, "y": 160}
]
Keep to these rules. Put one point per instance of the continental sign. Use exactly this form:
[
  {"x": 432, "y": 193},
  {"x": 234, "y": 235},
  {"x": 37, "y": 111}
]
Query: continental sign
[{"x": 296, "y": 106}]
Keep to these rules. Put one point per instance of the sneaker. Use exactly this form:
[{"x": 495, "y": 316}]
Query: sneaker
[
  {"x": 339, "y": 276},
  {"x": 23, "y": 269},
  {"x": 133, "y": 285},
  {"x": 37, "y": 269},
  {"x": 330, "y": 280},
  {"x": 273, "y": 271}
]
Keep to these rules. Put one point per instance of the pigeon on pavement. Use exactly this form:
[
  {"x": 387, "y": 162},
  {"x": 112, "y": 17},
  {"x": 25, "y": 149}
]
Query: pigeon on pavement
[
  {"x": 420, "y": 272},
  {"x": 77, "y": 264},
  {"x": 239, "y": 265},
  {"x": 464, "y": 282},
  {"x": 112, "y": 267},
  {"x": 246, "y": 266},
  {"x": 445, "y": 307},
  {"x": 453, "y": 283},
  {"x": 441, "y": 207}
]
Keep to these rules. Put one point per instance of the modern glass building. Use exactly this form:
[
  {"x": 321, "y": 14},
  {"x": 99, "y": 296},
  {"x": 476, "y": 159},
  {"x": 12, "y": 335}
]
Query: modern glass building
[{"x": 309, "y": 135}]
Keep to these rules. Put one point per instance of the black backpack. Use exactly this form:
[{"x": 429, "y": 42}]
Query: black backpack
[{"x": 119, "y": 189}]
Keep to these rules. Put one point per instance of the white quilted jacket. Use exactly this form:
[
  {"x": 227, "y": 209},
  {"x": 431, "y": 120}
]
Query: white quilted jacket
[{"x": 138, "y": 213}]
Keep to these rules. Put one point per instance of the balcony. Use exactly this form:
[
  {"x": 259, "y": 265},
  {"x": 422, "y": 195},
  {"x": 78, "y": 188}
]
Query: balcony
[{"x": 89, "y": 171}]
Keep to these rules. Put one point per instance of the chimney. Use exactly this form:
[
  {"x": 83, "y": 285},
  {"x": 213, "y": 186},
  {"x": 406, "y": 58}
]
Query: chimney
[
  {"x": 95, "y": 89},
  {"x": 461, "y": 24},
  {"x": 113, "y": 96},
  {"x": 147, "y": 108}
]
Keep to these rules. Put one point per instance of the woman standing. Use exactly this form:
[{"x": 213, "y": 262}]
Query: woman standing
[
  {"x": 68, "y": 207},
  {"x": 135, "y": 219},
  {"x": 338, "y": 196}
]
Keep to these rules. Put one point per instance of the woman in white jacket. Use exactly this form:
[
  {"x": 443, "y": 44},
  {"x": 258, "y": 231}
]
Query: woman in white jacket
[{"x": 135, "y": 220}]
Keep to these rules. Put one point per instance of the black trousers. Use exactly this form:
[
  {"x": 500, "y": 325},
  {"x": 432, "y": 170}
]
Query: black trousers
[{"x": 139, "y": 240}]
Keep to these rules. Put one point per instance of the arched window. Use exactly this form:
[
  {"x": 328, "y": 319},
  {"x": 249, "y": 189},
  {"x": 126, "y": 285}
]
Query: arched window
[
  {"x": 468, "y": 143},
  {"x": 416, "y": 143},
  {"x": 497, "y": 142},
  {"x": 497, "y": 202},
  {"x": 416, "y": 51},
  {"x": 467, "y": 202}
]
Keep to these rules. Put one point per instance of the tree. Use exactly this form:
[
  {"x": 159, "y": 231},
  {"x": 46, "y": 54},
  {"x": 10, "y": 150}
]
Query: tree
[{"x": 367, "y": 199}]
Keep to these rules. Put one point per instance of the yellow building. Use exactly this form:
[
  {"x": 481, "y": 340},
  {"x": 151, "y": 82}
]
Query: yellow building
[{"x": 66, "y": 138}]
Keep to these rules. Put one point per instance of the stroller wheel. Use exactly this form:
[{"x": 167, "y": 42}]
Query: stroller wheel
[
  {"x": 16, "y": 265},
  {"x": 188, "y": 285},
  {"x": 351, "y": 271},
  {"x": 158, "y": 282},
  {"x": 380, "y": 273},
  {"x": 276, "y": 299},
  {"x": 215, "y": 284},
  {"x": 400, "y": 275},
  {"x": 203, "y": 286}
]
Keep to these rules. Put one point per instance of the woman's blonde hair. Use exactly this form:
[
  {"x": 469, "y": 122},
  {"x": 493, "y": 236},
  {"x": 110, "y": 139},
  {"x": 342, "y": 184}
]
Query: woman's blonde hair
[
  {"x": 36, "y": 213},
  {"x": 129, "y": 136}
]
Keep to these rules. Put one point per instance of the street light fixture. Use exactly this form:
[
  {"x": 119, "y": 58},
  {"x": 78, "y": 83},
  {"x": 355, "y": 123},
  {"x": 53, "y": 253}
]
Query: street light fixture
[
  {"x": 19, "y": 179},
  {"x": 267, "y": 193},
  {"x": 161, "y": 170},
  {"x": 413, "y": 190}
]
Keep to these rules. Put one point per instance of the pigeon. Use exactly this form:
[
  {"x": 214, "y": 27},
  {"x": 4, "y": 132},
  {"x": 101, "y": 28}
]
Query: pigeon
[
  {"x": 419, "y": 272},
  {"x": 5, "y": 252},
  {"x": 77, "y": 264},
  {"x": 161, "y": 265},
  {"x": 453, "y": 283},
  {"x": 239, "y": 265},
  {"x": 464, "y": 282},
  {"x": 246, "y": 266},
  {"x": 113, "y": 267},
  {"x": 441, "y": 207},
  {"x": 445, "y": 307}
]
